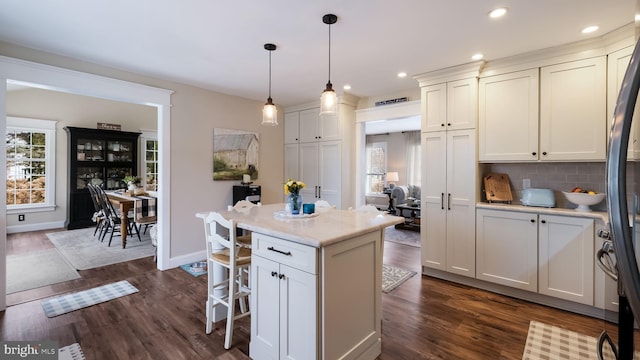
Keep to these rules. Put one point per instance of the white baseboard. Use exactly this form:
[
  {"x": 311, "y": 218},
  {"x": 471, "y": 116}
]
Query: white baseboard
[
  {"x": 185, "y": 259},
  {"x": 34, "y": 227}
]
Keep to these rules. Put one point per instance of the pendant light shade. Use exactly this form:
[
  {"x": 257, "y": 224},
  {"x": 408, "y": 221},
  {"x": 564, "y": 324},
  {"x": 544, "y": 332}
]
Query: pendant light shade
[
  {"x": 329, "y": 99},
  {"x": 269, "y": 112}
]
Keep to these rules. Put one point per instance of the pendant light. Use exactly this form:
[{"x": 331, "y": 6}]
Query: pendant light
[
  {"x": 329, "y": 99},
  {"x": 269, "y": 112}
]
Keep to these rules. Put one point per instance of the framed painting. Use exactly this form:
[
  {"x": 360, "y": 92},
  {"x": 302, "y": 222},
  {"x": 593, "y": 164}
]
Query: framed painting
[{"x": 235, "y": 153}]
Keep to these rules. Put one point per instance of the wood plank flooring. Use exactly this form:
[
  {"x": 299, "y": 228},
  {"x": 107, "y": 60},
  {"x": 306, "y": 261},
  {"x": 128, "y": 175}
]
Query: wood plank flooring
[{"x": 424, "y": 318}]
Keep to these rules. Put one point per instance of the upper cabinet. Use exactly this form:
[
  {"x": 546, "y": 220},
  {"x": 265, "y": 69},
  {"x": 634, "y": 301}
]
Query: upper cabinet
[
  {"x": 508, "y": 117},
  {"x": 292, "y": 127},
  {"x": 314, "y": 127},
  {"x": 570, "y": 125},
  {"x": 617, "y": 64},
  {"x": 450, "y": 106},
  {"x": 573, "y": 110}
]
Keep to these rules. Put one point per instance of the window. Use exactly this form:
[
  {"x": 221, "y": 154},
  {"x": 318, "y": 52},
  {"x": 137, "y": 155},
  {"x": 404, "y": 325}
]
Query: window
[
  {"x": 30, "y": 164},
  {"x": 150, "y": 160},
  {"x": 376, "y": 166}
]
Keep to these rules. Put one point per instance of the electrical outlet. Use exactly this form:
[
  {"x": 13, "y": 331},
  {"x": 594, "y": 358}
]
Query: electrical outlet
[
  {"x": 21, "y": 217},
  {"x": 526, "y": 183}
]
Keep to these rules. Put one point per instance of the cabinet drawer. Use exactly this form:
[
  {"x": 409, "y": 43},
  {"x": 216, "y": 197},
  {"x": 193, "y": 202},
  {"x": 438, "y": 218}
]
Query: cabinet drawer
[{"x": 301, "y": 257}]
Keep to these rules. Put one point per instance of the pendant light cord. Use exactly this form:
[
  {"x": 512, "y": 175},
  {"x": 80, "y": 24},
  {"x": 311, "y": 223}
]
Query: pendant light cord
[
  {"x": 329, "y": 79},
  {"x": 269, "y": 74}
]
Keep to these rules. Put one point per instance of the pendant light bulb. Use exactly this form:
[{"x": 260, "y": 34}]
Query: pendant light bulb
[
  {"x": 329, "y": 99},
  {"x": 269, "y": 111}
]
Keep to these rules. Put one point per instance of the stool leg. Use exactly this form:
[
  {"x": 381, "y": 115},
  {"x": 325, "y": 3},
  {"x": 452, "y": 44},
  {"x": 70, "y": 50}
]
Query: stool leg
[
  {"x": 230, "y": 309},
  {"x": 210, "y": 301},
  {"x": 241, "y": 286}
]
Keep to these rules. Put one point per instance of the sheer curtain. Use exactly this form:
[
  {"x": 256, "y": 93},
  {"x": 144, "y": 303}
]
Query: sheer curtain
[{"x": 413, "y": 153}]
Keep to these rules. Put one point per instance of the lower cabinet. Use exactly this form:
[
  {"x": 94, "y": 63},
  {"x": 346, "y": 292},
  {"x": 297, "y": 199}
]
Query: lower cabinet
[
  {"x": 283, "y": 301},
  {"x": 549, "y": 254}
]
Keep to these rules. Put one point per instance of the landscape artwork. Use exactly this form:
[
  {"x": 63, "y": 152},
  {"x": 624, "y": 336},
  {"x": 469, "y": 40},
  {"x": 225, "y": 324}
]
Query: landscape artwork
[{"x": 235, "y": 153}]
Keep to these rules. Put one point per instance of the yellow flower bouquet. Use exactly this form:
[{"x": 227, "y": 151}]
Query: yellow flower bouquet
[{"x": 293, "y": 187}]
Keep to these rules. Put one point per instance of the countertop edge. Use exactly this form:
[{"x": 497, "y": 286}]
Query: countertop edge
[{"x": 598, "y": 215}]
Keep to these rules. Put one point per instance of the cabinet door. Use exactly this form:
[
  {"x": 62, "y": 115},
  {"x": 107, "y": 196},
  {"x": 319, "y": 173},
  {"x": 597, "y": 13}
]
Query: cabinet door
[
  {"x": 330, "y": 179},
  {"x": 434, "y": 107},
  {"x": 309, "y": 172},
  {"x": 265, "y": 309},
  {"x": 328, "y": 127},
  {"x": 461, "y": 201},
  {"x": 309, "y": 125},
  {"x": 292, "y": 127},
  {"x": 462, "y": 104},
  {"x": 566, "y": 258},
  {"x": 433, "y": 230},
  {"x": 573, "y": 110},
  {"x": 617, "y": 64},
  {"x": 507, "y": 251},
  {"x": 298, "y": 317},
  {"x": 508, "y": 117},
  {"x": 291, "y": 161}
]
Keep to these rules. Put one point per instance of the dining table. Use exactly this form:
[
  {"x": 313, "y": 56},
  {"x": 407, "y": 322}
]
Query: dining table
[{"x": 126, "y": 203}]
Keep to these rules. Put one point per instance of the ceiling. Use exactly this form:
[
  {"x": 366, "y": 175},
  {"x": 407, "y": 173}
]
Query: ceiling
[{"x": 218, "y": 45}]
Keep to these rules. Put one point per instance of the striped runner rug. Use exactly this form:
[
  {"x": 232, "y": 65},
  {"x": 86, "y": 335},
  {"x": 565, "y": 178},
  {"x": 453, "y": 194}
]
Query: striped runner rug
[
  {"x": 78, "y": 300},
  {"x": 550, "y": 342}
]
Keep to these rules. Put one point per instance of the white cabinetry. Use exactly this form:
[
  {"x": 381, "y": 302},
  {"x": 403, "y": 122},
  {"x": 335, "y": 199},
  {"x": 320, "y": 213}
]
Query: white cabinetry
[
  {"x": 508, "y": 117},
  {"x": 448, "y": 201},
  {"x": 450, "y": 106},
  {"x": 617, "y": 64},
  {"x": 283, "y": 300},
  {"x": 314, "y": 127},
  {"x": 566, "y": 258},
  {"x": 507, "y": 248},
  {"x": 573, "y": 124},
  {"x": 292, "y": 127},
  {"x": 549, "y": 254},
  {"x": 320, "y": 170}
]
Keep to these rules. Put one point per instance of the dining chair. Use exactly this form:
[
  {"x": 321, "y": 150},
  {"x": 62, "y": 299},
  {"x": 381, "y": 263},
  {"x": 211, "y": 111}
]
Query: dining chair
[
  {"x": 113, "y": 222},
  {"x": 227, "y": 265},
  {"x": 144, "y": 213},
  {"x": 98, "y": 216}
]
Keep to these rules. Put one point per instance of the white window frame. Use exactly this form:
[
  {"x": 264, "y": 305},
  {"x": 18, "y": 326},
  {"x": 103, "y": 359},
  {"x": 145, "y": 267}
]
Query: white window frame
[
  {"x": 48, "y": 127},
  {"x": 382, "y": 144},
  {"x": 146, "y": 136}
]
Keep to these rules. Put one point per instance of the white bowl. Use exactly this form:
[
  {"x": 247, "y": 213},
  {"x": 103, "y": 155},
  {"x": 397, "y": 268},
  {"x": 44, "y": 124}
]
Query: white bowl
[{"x": 584, "y": 200}]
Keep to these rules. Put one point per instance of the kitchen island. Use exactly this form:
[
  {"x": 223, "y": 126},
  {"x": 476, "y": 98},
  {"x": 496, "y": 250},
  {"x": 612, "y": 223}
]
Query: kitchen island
[{"x": 316, "y": 282}]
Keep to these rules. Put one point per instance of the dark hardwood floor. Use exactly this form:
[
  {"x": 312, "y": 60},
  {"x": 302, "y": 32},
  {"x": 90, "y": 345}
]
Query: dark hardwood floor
[{"x": 425, "y": 318}]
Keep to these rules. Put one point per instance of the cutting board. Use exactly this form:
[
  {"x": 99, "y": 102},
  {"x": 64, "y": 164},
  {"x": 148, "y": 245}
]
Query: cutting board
[{"x": 497, "y": 188}]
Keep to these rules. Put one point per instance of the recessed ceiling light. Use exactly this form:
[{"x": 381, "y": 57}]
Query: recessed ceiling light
[
  {"x": 477, "y": 56},
  {"x": 496, "y": 13},
  {"x": 347, "y": 87},
  {"x": 402, "y": 74},
  {"x": 589, "y": 29}
]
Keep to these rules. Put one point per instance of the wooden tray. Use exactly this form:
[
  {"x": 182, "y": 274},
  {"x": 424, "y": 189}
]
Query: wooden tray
[{"x": 497, "y": 188}]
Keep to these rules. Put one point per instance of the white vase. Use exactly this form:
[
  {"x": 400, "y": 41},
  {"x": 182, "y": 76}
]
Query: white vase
[{"x": 131, "y": 186}]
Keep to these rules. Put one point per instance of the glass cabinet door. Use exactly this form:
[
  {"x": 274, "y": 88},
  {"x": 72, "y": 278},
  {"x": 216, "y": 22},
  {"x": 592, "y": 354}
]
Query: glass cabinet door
[
  {"x": 115, "y": 176},
  {"x": 90, "y": 150},
  {"x": 89, "y": 174},
  {"x": 119, "y": 151}
]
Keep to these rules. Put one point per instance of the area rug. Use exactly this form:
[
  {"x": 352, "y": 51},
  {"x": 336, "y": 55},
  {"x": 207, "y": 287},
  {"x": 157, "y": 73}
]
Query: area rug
[
  {"x": 71, "y": 352},
  {"x": 392, "y": 277},
  {"x": 36, "y": 269},
  {"x": 84, "y": 251},
  {"x": 78, "y": 300},
  {"x": 550, "y": 342},
  {"x": 404, "y": 237}
]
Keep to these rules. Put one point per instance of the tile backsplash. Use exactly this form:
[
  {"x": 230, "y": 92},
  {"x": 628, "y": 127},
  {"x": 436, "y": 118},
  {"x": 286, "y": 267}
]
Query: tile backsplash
[{"x": 556, "y": 176}]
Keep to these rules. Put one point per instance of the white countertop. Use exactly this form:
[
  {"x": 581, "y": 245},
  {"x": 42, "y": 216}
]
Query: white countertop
[
  {"x": 598, "y": 215},
  {"x": 328, "y": 227}
]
